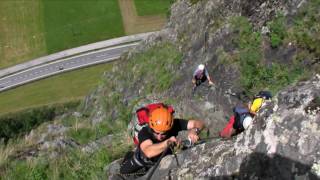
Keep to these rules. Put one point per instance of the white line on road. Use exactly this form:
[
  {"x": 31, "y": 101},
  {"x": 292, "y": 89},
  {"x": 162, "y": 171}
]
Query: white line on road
[
  {"x": 111, "y": 48},
  {"x": 57, "y": 72}
]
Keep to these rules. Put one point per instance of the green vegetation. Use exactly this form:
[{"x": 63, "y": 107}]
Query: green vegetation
[
  {"x": 82, "y": 135},
  {"x": 14, "y": 125},
  {"x": 194, "y": 1},
  {"x": 152, "y": 7},
  {"x": 73, "y": 164},
  {"x": 277, "y": 31},
  {"x": 33, "y": 28},
  {"x": 153, "y": 71},
  {"x": 306, "y": 29},
  {"x": 58, "y": 89},
  {"x": 157, "y": 66},
  {"x": 255, "y": 75},
  {"x": 86, "y": 134},
  {"x": 22, "y": 33},
  {"x": 73, "y": 23}
]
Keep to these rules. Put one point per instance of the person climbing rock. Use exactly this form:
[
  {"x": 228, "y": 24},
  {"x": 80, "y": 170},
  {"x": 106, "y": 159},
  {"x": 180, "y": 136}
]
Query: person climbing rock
[
  {"x": 155, "y": 138},
  {"x": 200, "y": 75},
  {"x": 258, "y": 101},
  {"x": 243, "y": 117},
  {"x": 238, "y": 122}
]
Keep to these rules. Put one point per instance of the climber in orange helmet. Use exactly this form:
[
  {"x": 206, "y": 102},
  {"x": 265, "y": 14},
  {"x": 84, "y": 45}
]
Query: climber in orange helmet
[{"x": 156, "y": 138}]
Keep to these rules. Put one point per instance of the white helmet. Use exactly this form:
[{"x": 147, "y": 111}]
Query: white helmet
[
  {"x": 201, "y": 66},
  {"x": 247, "y": 122}
]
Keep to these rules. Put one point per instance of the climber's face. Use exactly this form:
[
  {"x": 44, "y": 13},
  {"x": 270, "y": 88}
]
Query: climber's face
[{"x": 160, "y": 135}]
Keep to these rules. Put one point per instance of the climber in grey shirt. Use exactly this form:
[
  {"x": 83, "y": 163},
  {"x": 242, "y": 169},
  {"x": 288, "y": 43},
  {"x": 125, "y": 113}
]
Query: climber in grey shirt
[{"x": 200, "y": 75}]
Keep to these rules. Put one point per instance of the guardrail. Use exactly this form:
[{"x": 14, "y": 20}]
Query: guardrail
[{"x": 72, "y": 52}]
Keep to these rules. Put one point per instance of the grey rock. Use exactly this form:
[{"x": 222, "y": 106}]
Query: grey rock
[
  {"x": 265, "y": 30},
  {"x": 249, "y": 160}
]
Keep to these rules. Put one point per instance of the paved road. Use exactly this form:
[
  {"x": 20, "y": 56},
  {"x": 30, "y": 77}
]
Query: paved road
[{"x": 63, "y": 65}]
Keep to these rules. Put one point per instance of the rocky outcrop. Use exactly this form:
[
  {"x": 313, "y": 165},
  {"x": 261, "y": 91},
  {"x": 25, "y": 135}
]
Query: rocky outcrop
[
  {"x": 200, "y": 32},
  {"x": 282, "y": 144}
]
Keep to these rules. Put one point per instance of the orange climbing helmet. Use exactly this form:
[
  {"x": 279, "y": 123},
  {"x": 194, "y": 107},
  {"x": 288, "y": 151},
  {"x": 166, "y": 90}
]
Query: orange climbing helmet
[{"x": 161, "y": 119}]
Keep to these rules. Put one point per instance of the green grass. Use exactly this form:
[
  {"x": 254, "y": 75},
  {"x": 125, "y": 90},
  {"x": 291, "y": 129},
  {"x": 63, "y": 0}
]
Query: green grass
[
  {"x": 22, "y": 35},
  {"x": 151, "y": 71},
  {"x": 277, "y": 31},
  {"x": 194, "y": 1},
  {"x": 156, "y": 66},
  {"x": 152, "y": 7},
  {"x": 17, "y": 124},
  {"x": 61, "y": 88},
  {"x": 255, "y": 75},
  {"x": 306, "y": 29},
  {"x": 89, "y": 133},
  {"x": 73, "y": 164},
  {"x": 73, "y": 23},
  {"x": 34, "y": 28}
]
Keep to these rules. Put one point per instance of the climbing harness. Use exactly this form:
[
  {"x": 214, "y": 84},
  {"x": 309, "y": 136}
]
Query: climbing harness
[
  {"x": 185, "y": 144},
  {"x": 126, "y": 175},
  {"x": 158, "y": 162},
  {"x": 175, "y": 148}
]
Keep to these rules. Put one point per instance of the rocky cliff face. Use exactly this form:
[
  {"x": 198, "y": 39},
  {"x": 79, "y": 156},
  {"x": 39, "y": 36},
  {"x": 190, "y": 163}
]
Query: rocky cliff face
[
  {"x": 206, "y": 32},
  {"x": 282, "y": 144},
  {"x": 247, "y": 46}
]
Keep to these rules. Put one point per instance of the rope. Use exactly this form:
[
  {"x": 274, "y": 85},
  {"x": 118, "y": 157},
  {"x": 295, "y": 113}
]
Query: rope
[{"x": 183, "y": 145}]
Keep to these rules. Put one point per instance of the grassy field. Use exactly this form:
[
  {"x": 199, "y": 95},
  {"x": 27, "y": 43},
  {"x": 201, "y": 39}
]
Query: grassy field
[
  {"x": 152, "y": 7},
  {"x": 73, "y": 23},
  {"x": 22, "y": 35},
  {"x": 62, "y": 88},
  {"x": 33, "y": 28}
]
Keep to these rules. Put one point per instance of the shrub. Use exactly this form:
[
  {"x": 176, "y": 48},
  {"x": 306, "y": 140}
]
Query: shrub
[
  {"x": 14, "y": 125},
  {"x": 72, "y": 164},
  {"x": 277, "y": 31},
  {"x": 306, "y": 28},
  {"x": 89, "y": 133},
  {"x": 255, "y": 75},
  {"x": 82, "y": 135}
]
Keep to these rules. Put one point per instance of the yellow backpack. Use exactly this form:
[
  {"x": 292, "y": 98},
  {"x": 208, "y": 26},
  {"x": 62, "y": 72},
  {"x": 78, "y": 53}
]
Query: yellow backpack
[{"x": 259, "y": 100}]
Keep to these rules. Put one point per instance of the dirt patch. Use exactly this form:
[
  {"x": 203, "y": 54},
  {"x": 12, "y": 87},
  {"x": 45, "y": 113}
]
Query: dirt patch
[{"x": 134, "y": 24}]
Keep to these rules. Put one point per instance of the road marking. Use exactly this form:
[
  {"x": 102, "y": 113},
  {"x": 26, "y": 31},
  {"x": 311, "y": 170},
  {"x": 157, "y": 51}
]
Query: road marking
[
  {"x": 106, "y": 49},
  {"x": 58, "y": 72},
  {"x": 48, "y": 68}
]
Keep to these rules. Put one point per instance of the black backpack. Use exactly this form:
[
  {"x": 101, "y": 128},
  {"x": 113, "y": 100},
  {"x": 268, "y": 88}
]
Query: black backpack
[
  {"x": 240, "y": 113},
  {"x": 264, "y": 94}
]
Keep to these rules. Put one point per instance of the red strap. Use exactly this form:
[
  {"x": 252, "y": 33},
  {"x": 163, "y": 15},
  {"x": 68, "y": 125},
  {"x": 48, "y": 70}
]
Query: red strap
[
  {"x": 143, "y": 113},
  {"x": 170, "y": 109},
  {"x": 135, "y": 141},
  {"x": 227, "y": 131},
  {"x": 143, "y": 117}
]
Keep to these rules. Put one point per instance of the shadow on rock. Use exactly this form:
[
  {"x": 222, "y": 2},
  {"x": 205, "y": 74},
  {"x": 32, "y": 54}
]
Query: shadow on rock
[{"x": 261, "y": 166}]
